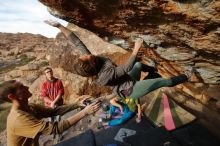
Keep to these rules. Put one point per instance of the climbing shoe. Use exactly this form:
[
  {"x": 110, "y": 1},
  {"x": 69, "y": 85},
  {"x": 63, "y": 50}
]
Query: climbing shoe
[{"x": 52, "y": 23}]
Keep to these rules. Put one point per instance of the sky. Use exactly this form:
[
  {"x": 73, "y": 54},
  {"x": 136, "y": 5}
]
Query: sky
[{"x": 26, "y": 16}]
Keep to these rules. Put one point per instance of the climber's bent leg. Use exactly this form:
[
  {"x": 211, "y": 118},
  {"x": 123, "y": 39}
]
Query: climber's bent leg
[
  {"x": 125, "y": 117},
  {"x": 143, "y": 87},
  {"x": 135, "y": 73},
  {"x": 71, "y": 36}
]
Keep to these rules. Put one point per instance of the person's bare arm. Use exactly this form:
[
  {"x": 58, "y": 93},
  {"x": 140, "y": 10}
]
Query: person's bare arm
[
  {"x": 43, "y": 112},
  {"x": 86, "y": 111},
  {"x": 125, "y": 68},
  {"x": 47, "y": 99},
  {"x": 137, "y": 46},
  {"x": 139, "y": 112},
  {"x": 53, "y": 103},
  {"x": 138, "y": 119},
  {"x": 39, "y": 126}
]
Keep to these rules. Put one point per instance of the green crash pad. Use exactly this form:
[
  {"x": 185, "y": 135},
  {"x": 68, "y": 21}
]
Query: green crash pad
[{"x": 163, "y": 111}]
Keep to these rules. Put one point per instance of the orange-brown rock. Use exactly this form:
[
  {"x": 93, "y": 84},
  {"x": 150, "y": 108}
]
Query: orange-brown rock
[{"x": 177, "y": 34}]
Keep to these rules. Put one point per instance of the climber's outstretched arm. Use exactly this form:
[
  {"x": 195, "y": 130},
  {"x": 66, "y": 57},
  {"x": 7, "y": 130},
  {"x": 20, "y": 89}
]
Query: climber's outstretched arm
[{"x": 70, "y": 36}]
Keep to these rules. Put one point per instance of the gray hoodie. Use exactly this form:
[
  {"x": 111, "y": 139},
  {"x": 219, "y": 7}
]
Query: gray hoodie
[{"x": 116, "y": 77}]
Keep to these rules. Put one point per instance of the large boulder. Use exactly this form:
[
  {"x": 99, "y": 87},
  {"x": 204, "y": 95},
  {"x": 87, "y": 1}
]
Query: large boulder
[
  {"x": 179, "y": 31},
  {"x": 178, "y": 34}
]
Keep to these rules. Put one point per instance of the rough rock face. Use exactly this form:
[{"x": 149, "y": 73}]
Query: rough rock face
[
  {"x": 177, "y": 34},
  {"x": 181, "y": 31}
]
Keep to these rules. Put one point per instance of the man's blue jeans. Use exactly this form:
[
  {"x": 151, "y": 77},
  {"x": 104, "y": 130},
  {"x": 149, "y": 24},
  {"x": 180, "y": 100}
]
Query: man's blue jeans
[{"x": 125, "y": 117}]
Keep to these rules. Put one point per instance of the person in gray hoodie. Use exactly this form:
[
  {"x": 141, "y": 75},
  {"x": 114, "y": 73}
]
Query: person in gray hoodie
[{"x": 124, "y": 80}]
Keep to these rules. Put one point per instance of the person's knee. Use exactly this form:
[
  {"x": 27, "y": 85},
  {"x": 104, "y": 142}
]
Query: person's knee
[
  {"x": 138, "y": 65},
  {"x": 112, "y": 101}
]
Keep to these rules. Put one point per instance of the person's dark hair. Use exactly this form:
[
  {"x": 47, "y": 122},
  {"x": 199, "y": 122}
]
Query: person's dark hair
[
  {"x": 85, "y": 69},
  {"x": 6, "y": 88},
  {"x": 46, "y": 68}
]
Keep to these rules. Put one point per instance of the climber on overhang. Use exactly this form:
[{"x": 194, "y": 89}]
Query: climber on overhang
[{"x": 124, "y": 80}]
